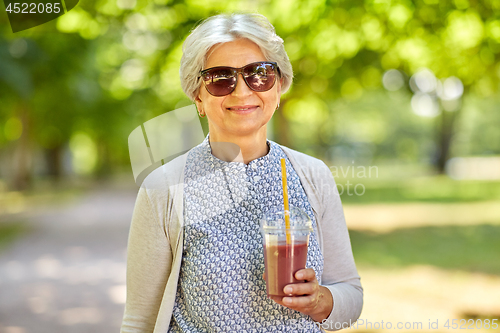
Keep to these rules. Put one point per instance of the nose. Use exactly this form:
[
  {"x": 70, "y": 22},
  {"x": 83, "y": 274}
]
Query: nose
[{"x": 241, "y": 88}]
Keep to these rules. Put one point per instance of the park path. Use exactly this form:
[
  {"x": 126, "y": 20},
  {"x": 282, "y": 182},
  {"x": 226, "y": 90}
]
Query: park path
[{"x": 68, "y": 273}]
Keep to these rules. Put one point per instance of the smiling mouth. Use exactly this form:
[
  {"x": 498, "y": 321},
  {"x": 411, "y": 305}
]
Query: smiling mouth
[{"x": 242, "y": 108}]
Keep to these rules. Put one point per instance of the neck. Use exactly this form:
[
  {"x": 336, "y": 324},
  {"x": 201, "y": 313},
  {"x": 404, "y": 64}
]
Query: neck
[{"x": 243, "y": 149}]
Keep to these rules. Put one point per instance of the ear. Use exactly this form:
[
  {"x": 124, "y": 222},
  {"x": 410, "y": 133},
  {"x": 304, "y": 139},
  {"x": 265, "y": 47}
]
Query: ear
[
  {"x": 199, "y": 103},
  {"x": 280, "y": 83}
]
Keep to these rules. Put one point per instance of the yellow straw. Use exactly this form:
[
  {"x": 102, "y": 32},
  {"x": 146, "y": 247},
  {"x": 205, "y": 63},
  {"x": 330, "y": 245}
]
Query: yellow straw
[{"x": 285, "y": 200}]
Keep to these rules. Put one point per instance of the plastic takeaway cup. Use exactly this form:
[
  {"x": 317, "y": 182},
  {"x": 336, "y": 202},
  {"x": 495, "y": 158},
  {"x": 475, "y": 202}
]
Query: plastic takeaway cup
[{"x": 283, "y": 260}]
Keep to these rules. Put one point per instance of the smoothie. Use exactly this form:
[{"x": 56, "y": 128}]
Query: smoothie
[{"x": 282, "y": 261}]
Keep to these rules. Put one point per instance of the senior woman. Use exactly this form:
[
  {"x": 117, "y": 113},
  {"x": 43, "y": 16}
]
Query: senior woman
[{"x": 195, "y": 259}]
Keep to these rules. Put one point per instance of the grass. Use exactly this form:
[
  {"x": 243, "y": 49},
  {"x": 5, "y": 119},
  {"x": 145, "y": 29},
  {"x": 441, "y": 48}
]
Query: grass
[
  {"x": 439, "y": 189},
  {"x": 11, "y": 231},
  {"x": 468, "y": 248}
]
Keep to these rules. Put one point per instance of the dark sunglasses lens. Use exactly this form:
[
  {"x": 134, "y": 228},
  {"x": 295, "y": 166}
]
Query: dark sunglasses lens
[
  {"x": 220, "y": 81},
  {"x": 260, "y": 76}
]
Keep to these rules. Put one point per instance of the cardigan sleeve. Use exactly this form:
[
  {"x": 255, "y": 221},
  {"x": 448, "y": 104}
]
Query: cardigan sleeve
[
  {"x": 340, "y": 275},
  {"x": 149, "y": 260}
]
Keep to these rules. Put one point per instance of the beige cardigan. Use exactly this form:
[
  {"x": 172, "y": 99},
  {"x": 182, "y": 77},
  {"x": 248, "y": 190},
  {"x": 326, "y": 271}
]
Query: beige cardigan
[{"x": 155, "y": 245}]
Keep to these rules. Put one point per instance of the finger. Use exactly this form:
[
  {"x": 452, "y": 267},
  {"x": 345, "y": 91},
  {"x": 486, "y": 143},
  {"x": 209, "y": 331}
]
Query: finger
[
  {"x": 306, "y": 288},
  {"x": 299, "y": 303},
  {"x": 280, "y": 302},
  {"x": 307, "y": 274}
]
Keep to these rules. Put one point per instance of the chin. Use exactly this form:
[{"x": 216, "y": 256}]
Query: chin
[{"x": 246, "y": 130}]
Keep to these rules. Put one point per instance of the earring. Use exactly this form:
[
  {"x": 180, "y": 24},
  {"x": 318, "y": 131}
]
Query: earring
[
  {"x": 199, "y": 112},
  {"x": 278, "y": 106}
]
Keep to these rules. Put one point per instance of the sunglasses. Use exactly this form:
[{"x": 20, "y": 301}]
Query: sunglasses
[{"x": 221, "y": 81}]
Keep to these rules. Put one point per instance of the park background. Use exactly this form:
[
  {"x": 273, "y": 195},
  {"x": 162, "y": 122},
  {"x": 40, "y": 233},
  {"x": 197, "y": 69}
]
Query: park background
[{"x": 399, "y": 98}]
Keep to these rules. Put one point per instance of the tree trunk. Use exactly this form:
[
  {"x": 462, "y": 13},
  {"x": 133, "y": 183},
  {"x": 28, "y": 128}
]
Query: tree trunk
[
  {"x": 23, "y": 154},
  {"x": 103, "y": 167},
  {"x": 53, "y": 157},
  {"x": 445, "y": 136}
]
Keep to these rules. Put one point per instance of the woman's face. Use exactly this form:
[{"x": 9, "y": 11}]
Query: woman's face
[{"x": 243, "y": 112}]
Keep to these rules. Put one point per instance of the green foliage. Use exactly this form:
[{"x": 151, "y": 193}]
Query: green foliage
[{"x": 107, "y": 66}]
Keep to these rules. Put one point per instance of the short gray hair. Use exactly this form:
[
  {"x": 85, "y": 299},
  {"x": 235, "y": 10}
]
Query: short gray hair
[{"x": 227, "y": 28}]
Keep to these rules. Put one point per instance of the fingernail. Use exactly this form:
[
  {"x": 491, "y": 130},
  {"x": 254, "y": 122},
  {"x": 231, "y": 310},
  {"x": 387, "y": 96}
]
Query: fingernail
[
  {"x": 288, "y": 290},
  {"x": 299, "y": 276},
  {"x": 287, "y": 300}
]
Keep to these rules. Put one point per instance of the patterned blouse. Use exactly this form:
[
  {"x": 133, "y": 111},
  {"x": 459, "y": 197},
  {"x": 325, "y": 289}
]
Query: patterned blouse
[{"x": 221, "y": 288}]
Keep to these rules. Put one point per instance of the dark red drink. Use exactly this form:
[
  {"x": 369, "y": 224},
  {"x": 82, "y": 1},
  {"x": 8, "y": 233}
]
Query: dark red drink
[{"x": 282, "y": 261}]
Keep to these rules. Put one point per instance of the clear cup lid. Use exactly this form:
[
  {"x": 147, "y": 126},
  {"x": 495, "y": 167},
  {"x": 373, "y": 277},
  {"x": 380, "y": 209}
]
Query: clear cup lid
[{"x": 274, "y": 220}]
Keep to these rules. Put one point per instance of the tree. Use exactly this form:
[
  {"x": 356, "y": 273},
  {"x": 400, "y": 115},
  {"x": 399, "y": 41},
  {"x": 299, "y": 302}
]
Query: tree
[{"x": 108, "y": 66}]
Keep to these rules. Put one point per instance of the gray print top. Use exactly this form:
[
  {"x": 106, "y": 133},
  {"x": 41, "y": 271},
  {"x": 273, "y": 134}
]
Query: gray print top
[{"x": 221, "y": 288}]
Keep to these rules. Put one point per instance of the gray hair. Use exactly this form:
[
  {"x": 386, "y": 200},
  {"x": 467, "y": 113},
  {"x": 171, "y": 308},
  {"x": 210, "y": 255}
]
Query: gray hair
[{"x": 227, "y": 28}]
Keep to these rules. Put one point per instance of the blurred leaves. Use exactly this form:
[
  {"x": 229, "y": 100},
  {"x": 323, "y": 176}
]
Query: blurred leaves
[{"x": 110, "y": 65}]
